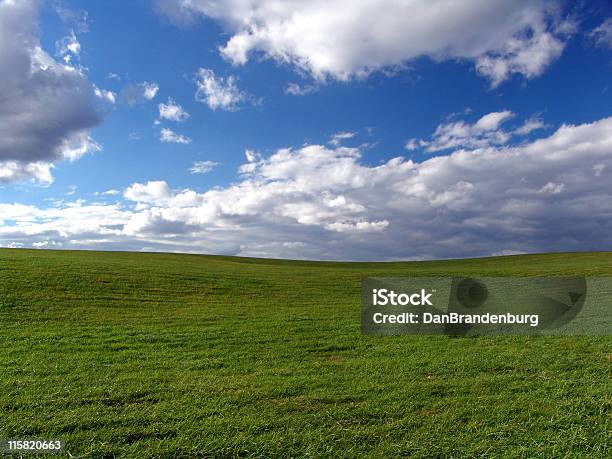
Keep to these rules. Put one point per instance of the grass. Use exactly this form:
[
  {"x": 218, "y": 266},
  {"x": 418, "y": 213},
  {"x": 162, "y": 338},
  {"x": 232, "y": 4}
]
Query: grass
[{"x": 159, "y": 355}]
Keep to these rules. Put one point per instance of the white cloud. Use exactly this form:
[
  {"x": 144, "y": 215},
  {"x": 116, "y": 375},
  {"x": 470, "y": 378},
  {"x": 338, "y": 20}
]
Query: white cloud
[
  {"x": 251, "y": 156},
  {"x": 108, "y": 96},
  {"x": 203, "y": 167},
  {"x": 47, "y": 106},
  {"x": 415, "y": 144},
  {"x": 358, "y": 227},
  {"x": 169, "y": 136},
  {"x": 486, "y": 131},
  {"x": 149, "y": 90},
  {"x": 295, "y": 89},
  {"x": 550, "y": 194},
  {"x": 458, "y": 134},
  {"x": 218, "y": 92},
  {"x": 527, "y": 54},
  {"x": 68, "y": 47},
  {"x": 69, "y": 224},
  {"x": 139, "y": 93},
  {"x": 172, "y": 111},
  {"x": 78, "y": 146},
  {"x": 530, "y": 125},
  {"x": 15, "y": 171},
  {"x": 492, "y": 121},
  {"x": 343, "y": 39},
  {"x": 153, "y": 191},
  {"x": 44, "y": 244},
  {"x": 602, "y": 34},
  {"x": 338, "y": 137},
  {"x": 552, "y": 188}
]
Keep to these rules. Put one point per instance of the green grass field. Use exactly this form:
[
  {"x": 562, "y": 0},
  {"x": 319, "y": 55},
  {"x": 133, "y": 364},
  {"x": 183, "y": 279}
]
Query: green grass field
[{"x": 158, "y": 355}]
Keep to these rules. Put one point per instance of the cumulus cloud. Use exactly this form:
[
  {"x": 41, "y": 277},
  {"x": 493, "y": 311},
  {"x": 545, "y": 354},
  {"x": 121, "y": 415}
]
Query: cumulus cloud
[
  {"x": 527, "y": 54},
  {"x": 106, "y": 95},
  {"x": 16, "y": 171},
  {"x": 68, "y": 224},
  {"x": 169, "y": 136},
  {"x": 141, "y": 92},
  {"x": 203, "y": 167},
  {"x": 343, "y": 39},
  {"x": 319, "y": 202},
  {"x": 253, "y": 158},
  {"x": 47, "y": 107},
  {"x": 78, "y": 146},
  {"x": 154, "y": 191},
  {"x": 486, "y": 131},
  {"x": 149, "y": 90},
  {"x": 218, "y": 92},
  {"x": 172, "y": 111},
  {"x": 459, "y": 134}
]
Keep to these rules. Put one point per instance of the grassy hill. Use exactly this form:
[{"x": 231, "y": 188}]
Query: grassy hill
[{"x": 138, "y": 355}]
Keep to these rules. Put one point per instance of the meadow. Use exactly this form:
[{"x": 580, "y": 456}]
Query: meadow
[{"x": 166, "y": 355}]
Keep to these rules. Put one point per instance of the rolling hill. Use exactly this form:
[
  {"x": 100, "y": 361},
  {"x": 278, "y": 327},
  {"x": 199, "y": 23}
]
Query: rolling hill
[{"x": 143, "y": 354}]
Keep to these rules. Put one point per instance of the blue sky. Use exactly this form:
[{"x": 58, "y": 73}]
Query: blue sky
[{"x": 393, "y": 87}]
